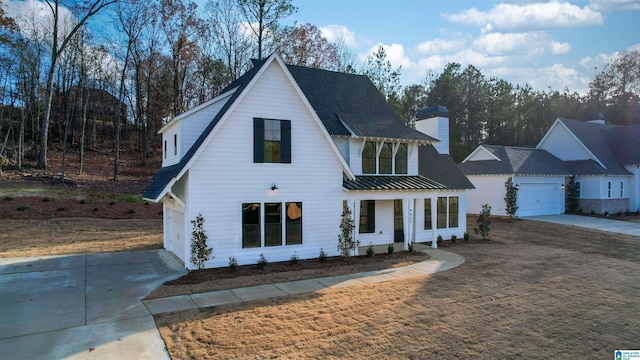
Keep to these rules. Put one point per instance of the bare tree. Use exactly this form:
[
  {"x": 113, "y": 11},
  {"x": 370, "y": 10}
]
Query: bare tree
[
  {"x": 59, "y": 42},
  {"x": 224, "y": 19},
  {"x": 263, "y": 16}
]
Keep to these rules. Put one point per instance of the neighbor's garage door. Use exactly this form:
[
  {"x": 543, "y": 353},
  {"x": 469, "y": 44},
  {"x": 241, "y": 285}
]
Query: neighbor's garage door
[{"x": 539, "y": 199}]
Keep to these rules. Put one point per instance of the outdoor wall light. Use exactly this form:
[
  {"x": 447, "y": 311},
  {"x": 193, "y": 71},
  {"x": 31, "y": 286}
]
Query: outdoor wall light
[
  {"x": 274, "y": 187},
  {"x": 517, "y": 186},
  {"x": 561, "y": 186}
]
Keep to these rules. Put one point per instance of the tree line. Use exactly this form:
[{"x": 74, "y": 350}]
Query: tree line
[{"x": 64, "y": 84}]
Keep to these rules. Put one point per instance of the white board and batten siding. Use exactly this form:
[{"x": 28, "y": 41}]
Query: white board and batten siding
[{"x": 224, "y": 176}]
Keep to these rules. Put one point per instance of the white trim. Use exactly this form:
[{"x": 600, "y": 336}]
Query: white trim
[
  {"x": 176, "y": 119},
  {"x": 481, "y": 147}
]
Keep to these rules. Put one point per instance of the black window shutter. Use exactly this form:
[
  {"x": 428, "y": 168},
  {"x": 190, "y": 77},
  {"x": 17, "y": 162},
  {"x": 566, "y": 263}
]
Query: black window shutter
[
  {"x": 258, "y": 140},
  {"x": 285, "y": 141},
  {"x": 371, "y": 216}
]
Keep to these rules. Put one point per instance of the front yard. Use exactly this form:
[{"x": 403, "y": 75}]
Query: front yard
[{"x": 535, "y": 291}]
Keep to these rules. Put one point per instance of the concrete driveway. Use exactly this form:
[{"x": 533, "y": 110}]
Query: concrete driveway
[
  {"x": 82, "y": 306},
  {"x": 614, "y": 226}
]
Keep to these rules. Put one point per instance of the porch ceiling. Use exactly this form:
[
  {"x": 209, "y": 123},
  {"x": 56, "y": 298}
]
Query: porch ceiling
[{"x": 391, "y": 183}]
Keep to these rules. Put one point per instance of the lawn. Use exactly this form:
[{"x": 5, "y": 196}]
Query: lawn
[{"x": 534, "y": 291}]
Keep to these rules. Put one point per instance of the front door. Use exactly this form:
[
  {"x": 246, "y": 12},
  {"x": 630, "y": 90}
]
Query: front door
[{"x": 398, "y": 224}]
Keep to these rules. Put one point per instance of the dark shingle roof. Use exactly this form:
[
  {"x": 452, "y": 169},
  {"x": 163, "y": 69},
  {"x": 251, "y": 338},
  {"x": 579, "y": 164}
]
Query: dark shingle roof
[
  {"x": 518, "y": 161},
  {"x": 395, "y": 182},
  {"x": 625, "y": 142},
  {"x": 427, "y": 113},
  {"x": 594, "y": 137},
  {"x": 441, "y": 168},
  {"x": 353, "y": 99}
]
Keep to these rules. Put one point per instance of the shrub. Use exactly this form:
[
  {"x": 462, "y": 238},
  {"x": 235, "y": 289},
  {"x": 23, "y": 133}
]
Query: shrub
[
  {"x": 22, "y": 208},
  {"x": 112, "y": 203},
  {"x": 411, "y": 246},
  {"x": 45, "y": 199},
  {"x": 60, "y": 208},
  {"x": 466, "y": 236},
  {"x": 82, "y": 201},
  {"x": 511, "y": 197},
  {"x": 200, "y": 253},
  {"x": 262, "y": 262},
  {"x": 95, "y": 209},
  {"x": 593, "y": 212},
  {"x": 346, "y": 242},
  {"x": 293, "y": 259},
  {"x": 233, "y": 263},
  {"x": 370, "y": 250},
  {"x": 606, "y": 213},
  {"x": 439, "y": 240},
  {"x": 7, "y": 198},
  {"x": 323, "y": 256},
  {"x": 454, "y": 238},
  {"x": 484, "y": 222},
  {"x": 390, "y": 249},
  {"x": 130, "y": 211}
]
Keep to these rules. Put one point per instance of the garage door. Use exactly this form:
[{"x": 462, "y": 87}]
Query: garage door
[
  {"x": 175, "y": 233},
  {"x": 539, "y": 199}
]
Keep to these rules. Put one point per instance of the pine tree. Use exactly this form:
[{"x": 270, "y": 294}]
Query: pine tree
[{"x": 199, "y": 251}]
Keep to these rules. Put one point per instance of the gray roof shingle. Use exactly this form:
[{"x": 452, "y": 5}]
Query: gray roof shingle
[
  {"x": 441, "y": 168},
  {"x": 518, "y": 161}
]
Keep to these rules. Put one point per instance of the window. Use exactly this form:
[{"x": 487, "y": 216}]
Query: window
[
  {"x": 271, "y": 141},
  {"x": 165, "y": 149},
  {"x": 453, "y": 212},
  {"x": 578, "y": 189},
  {"x": 369, "y": 158},
  {"x": 367, "y": 216},
  {"x": 401, "y": 159},
  {"x": 272, "y": 224},
  {"x": 427, "y": 215},
  {"x": 386, "y": 155},
  {"x": 294, "y": 223},
  {"x": 621, "y": 189},
  {"x": 175, "y": 144},
  {"x": 442, "y": 213},
  {"x": 250, "y": 225},
  {"x": 609, "y": 189}
]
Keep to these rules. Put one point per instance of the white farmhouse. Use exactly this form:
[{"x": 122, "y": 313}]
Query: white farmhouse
[{"x": 270, "y": 162}]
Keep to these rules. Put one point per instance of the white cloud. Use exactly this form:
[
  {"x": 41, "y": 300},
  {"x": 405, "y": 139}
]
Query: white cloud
[
  {"x": 395, "y": 55},
  {"x": 614, "y": 5},
  {"x": 527, "y": 17},
  {"x": 34, "y": 17},
  {"x": 436, "y": 46},
  {"x": 558, "y": 48},
  {"x": 337, "y": 33}
]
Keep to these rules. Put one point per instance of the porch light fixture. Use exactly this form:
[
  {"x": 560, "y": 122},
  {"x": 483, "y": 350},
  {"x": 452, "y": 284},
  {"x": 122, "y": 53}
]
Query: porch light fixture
[
  {"x": 517, "y": 186},
  {"x": 274, "y": 187}
]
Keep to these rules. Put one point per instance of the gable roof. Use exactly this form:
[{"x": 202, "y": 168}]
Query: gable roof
[
  {"x": 625, "y": 143},
  {"x": 349, "y": 104},
  {"x": 518, "y": 161},
  {"x": 441, "y": 168},
  {"x": 338, "y": 99}
]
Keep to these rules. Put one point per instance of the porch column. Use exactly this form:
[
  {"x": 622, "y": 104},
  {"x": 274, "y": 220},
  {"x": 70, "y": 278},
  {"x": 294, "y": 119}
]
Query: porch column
[
  {"x": 408, "y": 222},
  {"x": 434, "y": 221}
]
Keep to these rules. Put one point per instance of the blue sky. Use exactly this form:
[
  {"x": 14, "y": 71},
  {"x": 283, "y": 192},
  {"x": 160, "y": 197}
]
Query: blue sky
[{"x": 545, "y": 44}]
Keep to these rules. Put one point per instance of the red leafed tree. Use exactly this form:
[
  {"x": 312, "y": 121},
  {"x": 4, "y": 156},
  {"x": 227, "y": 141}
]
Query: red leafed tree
[{"x": 304, "y": 45}]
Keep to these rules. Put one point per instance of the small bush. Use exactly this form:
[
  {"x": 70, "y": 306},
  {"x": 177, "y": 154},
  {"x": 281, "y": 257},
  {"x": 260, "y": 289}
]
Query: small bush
[
  {"x": 293, "y": 259},
  {"x": 46, "y": 199},
  {"x": 130, "y": 211},
  {"x": 82, "y": 201},
  {"x": 112, "y": 203},
  {"x": 128, "y": 199},
  {"x": 484, "y": 222},
  {"x": 22, "y": 208},
  {"x": 233, "y": 263},
  {"x": 466, "y": 236},
  {"x": 593, "y": 212},
  {"x": 323, "y": 256},
  {"x": 262, "y": 262},
  {"x": 146, "y": 203},
  {"x": 439, "y": 241},
  {"x": 60, "y": 208},
  {"x": 95, "y": 209},
  {"x": 618, "y": 213},
  {"x": 390, "y": 249},
  {"x": 411, "y": 246},
  {"x": 606, "y": 214},
  {"x": 370, "y": 250},
  {"x": 454, "y": 238},
  {"x": 7, "y": 198}
]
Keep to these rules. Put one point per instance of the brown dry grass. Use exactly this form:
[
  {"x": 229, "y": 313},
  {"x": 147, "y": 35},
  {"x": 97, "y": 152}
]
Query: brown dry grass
[{"x": 535, "y": 291}]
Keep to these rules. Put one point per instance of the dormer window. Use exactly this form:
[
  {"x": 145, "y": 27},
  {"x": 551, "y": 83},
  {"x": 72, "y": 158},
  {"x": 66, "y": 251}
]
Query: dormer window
[{"x": 385, "y": 158}]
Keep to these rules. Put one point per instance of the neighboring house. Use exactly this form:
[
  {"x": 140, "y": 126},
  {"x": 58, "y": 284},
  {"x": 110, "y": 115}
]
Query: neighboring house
[
  {"x": 601, "y": 159},
  {"x": 270, "y": 162}
]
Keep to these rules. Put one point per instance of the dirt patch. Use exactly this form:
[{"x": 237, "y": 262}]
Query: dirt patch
[
  {"x": 536, "y": 290},
  {"x": 223, "y": 278}
]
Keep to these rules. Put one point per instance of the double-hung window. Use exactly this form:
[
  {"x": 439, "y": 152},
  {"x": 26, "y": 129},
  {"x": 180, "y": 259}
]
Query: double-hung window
[
  {"x": 367, "y": 216},
  {"x": 441, "y": 205},
  {"x": 621, "y": 189},
  {"x": 271, "y": 141},
  {"x": 427, "y": 215}
]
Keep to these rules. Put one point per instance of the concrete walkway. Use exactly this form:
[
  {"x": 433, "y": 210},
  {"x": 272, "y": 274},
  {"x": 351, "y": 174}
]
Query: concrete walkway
[
  {"x": 439, "y": 260},
  {"x": 82, "y": 306},
  {"x": 614, "y": 226}
]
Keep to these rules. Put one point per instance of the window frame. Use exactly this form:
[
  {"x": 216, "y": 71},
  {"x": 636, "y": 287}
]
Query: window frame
[
  {"x": 609, "y": 189},
  {"x": 369, "y": 168},
  {"x": 175, "y": 144},
  {"x": 579, "y": 188},
  {"x": 428, "y": 212},
  {"x": 263, "y": 127},
  {"x": 367, "y": 221},
  {"x": 385, "y": 164},
  {"x": 453, "y": 212},
  {"x": 441, "y": 223},
  {"x": 621, "y": 189},
  {"x": 245, "y": 232},
  {"x": 291, "y": 223},
  {"x": 404, "y": 161},
  {"x": 272, "y": 224}
]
